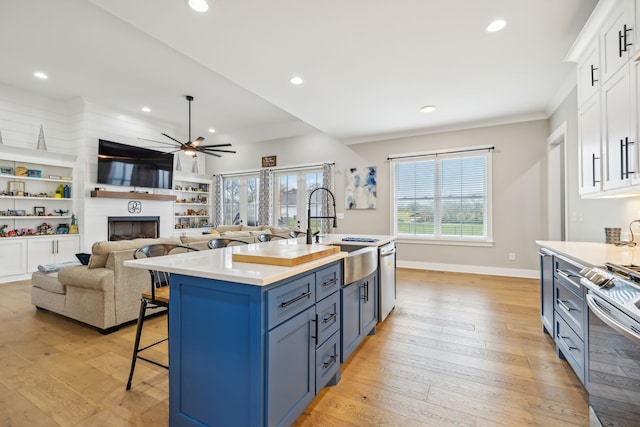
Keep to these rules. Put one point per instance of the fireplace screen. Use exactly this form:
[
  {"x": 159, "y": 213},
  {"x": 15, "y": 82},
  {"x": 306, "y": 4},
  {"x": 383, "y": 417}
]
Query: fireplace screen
[{"x": 133, "y": 227}]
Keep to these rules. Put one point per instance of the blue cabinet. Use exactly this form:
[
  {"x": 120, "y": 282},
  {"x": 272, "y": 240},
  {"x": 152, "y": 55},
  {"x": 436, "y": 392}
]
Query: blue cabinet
[
  {"x": 247, "y": 355},
  {"x": 359, "y": 313}
]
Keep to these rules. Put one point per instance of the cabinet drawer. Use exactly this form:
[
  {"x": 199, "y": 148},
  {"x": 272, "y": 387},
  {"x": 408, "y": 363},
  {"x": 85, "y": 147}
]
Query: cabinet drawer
[
  {"x": 289, "y": 299},
  {"x": 328, "y": 281},
  {"x": 571, "y": 347},
  {"x": 327, "y": 361},
  {"x": 328, "y": 317},
  {"x": 568, "y": 272},
  {"x": 571, "y": 307}
]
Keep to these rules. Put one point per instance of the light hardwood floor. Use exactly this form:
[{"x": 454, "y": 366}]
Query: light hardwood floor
[{"x": 459, "y": 349}]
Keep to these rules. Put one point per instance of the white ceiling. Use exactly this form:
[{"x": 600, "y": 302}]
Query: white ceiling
[{"x": 368, "y": 65}]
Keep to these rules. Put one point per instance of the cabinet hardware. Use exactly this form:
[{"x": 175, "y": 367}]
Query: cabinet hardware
[
  {"x": 623, "y": 43},
  {"x": 593, "y": 168},
  {"x": 315, "y": 328},
  {"x": 593, "y": 76},
  {"x": 330, "y": 282},
  {"x": 298, "y": 298},
  {"x": 330, "y": 361},
  {"x": 563, "y": 304},
  {"x": 57, "y": 246},
  {"x": 329, "y": 318},
  {"x": 626, "y": 150},
  {"x": 571, "y": 348}
]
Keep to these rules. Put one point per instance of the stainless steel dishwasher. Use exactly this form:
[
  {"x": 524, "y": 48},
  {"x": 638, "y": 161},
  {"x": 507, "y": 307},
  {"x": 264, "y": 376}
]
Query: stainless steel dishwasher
[{"x": 386, "y": 279}]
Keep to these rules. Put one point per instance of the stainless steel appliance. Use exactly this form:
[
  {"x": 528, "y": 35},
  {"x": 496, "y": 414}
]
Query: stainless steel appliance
[
  {"x": 386, "y": 279},
  {"x": 614, "y": 345}
]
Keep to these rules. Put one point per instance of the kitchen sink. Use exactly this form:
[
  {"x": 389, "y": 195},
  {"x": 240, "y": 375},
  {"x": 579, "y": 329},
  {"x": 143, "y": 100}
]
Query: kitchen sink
[{"x": 360, "y": 262}]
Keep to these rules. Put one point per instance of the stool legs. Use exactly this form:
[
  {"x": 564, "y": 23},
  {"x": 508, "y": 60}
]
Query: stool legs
[{"x": 136, "y": 346}]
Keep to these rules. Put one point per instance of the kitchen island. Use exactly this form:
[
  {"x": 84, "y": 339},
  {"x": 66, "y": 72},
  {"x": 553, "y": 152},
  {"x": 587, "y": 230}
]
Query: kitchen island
[{"x": 251, "y": 344}]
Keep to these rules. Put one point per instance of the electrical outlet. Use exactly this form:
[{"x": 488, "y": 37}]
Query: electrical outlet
[{"x": 512, "y": 256}]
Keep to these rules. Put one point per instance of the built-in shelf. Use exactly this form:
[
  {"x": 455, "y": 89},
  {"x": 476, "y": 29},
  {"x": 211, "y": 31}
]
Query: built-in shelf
[{"x": 129, "y": 195}]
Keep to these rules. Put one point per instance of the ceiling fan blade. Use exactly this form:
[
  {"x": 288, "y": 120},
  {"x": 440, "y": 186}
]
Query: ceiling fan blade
[
  {"x": 197, "y": 141},
  {"x": 170, "y": 137},
  {"x": 209, "y": 150},
  {"x": 211, "y": 154},
  {"x": 216, "y": 145},
  {"x": 159, "y": 142}
]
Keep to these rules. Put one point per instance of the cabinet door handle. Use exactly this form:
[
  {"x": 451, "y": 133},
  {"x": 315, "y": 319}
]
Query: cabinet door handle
[
  {"x": 593, "y": 168},
  {"x": 623, "y": 43},
  {"x": 298, "y": 298},
  {"x": 564, "y": 305},
  {"x": 593, "y": 75},
  {"x": 622, "y": 159},
  {"x": 57, "y": 246},
  {"x": 330, "y": 282},
  {"x": 330, "y": 361},
  {"x": 53, "y": 247},
  {"x": 329, "y": 318},
  {"x": 626, "y": 153},
  {"x": 315, "y": 328}
]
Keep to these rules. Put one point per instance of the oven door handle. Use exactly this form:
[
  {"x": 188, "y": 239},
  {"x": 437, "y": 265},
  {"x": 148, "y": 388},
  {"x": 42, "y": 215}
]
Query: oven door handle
[{"x": 631, "y": 335}]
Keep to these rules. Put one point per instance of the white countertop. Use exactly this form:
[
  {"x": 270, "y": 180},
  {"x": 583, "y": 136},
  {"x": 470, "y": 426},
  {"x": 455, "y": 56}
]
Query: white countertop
[
  {"x": 592, "y": 254},
  {"x": 218, "y": 264}
]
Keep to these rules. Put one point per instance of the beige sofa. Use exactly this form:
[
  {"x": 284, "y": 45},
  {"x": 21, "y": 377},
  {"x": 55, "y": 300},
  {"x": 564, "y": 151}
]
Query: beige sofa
[{"x": 106, "y": 294}]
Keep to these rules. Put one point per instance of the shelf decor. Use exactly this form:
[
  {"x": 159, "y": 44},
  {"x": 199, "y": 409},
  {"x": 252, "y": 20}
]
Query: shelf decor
[
  {"x": 16, "y": 188},
  {"x": 42, "y": 145}
]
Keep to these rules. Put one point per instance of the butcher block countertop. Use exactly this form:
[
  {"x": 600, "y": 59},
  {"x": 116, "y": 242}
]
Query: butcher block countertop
[{"x": 285, "y": 255}]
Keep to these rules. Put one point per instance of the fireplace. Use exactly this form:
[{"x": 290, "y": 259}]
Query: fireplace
[{"x": 133, "y": 227}]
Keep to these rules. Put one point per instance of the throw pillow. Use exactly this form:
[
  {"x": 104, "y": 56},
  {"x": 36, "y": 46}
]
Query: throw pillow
[{"x": 83, "y": 258}]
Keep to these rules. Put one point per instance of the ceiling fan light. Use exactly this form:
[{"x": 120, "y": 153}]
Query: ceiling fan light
[
  {"x": 198, "y": 5},
  {"x": 190, "y": 151}
]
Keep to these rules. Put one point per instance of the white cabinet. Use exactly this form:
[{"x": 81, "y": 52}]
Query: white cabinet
[
  {"x": 589, "y": 73},
  {"x": 589, "y": 145},
  {"x": 618, "y": 38},
  {"x": 13, "y": 256},
  {"x": 50, "y": 250},
  {"x": 193, "y": 204},
  {"x": 617, "y": 118}
]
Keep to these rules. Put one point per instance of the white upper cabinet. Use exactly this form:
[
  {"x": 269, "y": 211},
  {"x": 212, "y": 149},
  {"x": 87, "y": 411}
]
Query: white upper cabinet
[
  {"x": 618, "y": 38},
  {"x": 589, "y": 73},
  {"x": 589, "y": 146},
  {"x": 618, "y": 144}
]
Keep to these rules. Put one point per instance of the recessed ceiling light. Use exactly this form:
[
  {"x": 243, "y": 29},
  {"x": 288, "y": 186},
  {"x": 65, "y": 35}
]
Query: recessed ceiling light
[
  {"x": 41, "y": 75},
  {"x": 146, "y": 109},
  {"x": 428, "y": 108},
  {"x": 296, "y": 80},
  {"x": 198, "y": 5},
  {"x": 496, "y": 25},
  {"x": 212, "y": 130}
]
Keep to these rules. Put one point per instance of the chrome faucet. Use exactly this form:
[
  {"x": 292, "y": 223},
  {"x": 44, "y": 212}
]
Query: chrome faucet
[{"x": 309, "y": 217}]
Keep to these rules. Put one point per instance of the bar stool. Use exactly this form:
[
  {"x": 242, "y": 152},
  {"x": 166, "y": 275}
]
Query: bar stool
[
  {"x": 270, "y": 237},
  {"x": 295, "y": 234},
  {"x": 223, "y": 243},
  {"x": 154, "y": 298}
]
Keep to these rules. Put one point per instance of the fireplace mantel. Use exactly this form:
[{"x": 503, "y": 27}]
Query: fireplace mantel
[{"x": 130, "y": 195}]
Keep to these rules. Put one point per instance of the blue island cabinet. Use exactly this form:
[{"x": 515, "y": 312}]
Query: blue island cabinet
[{"x": 245, "y": 355}]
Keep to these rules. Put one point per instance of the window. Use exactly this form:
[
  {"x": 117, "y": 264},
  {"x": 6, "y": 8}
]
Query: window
[
  {"x": 240, "y": 200},
  {"x": 442, "y": 196},
  {"x": 290, "y": 204}
]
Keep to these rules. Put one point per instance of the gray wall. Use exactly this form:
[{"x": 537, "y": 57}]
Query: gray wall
[{"x": 518, "y": 162}]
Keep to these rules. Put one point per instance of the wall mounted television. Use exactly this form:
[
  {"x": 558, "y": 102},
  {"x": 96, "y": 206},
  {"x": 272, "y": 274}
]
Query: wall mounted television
[{"x": 126, "y": 165}]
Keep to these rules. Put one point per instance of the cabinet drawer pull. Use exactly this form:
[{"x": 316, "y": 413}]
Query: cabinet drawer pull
[
  {"x": 571, "y": 348},
  {"x": 298, "y": 298},
  {"x": 593, "y": 78},
  {"x": 563, "y": 304},
  {"x": 330, "y": 282},
  {"x": 329, "y": 318},
  {"x": 593, "y": 168},
  {"x": 330, "y": 361}
]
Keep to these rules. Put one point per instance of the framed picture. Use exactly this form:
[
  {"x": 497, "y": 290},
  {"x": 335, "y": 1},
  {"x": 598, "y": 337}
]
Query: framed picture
[
  {"x": 6, "y": 170},
  {"x": 20, "y": 212},
  {"x": 16, "y": 188},
  {"x": 38, "y": 211}
]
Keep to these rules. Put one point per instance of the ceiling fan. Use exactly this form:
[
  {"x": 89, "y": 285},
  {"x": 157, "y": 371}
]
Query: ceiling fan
[{"x": 192, "y": 148}]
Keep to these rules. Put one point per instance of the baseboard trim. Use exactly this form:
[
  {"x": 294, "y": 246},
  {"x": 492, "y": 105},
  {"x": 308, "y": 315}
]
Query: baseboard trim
[{"x": 475, "y": 269}]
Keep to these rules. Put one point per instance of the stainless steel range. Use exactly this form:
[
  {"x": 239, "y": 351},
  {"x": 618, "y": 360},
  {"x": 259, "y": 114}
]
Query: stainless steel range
[{"x": 614, "y": 344}]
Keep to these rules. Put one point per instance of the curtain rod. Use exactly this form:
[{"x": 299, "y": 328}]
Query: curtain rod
[
  {"x": 439, "y": 153},
  {"x": 276, "y": 169}
]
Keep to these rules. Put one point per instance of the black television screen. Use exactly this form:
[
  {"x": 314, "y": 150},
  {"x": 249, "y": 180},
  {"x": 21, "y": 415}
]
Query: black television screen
[{"x": 126, "y": 165}]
